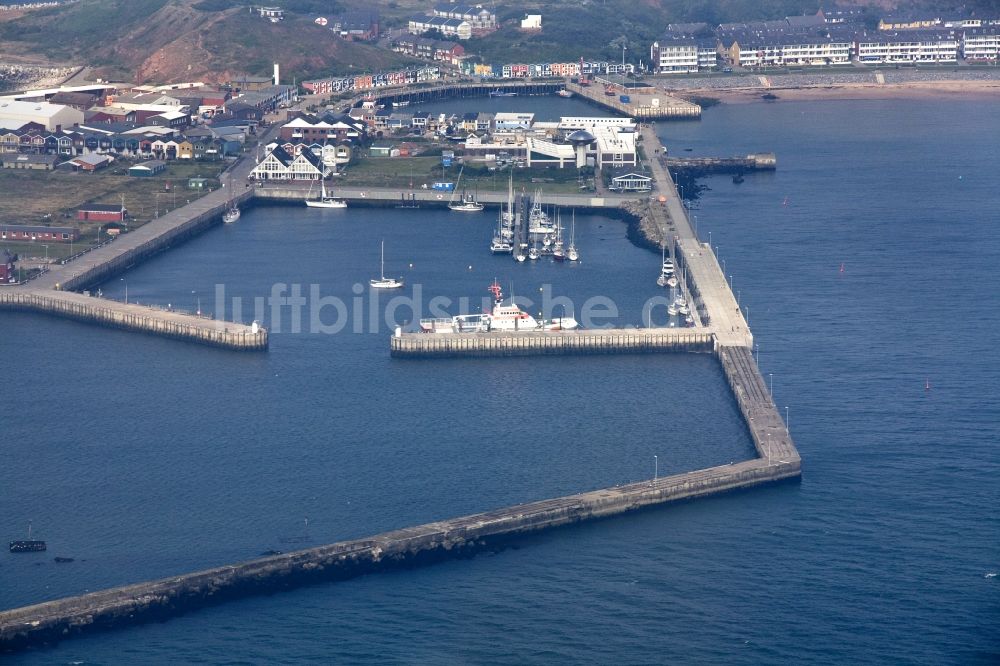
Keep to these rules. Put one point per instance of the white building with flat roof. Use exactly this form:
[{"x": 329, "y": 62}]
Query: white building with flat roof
[
  {"x": 573, "y": 123},
  {"x": 908, "y": 46},
  {"x": 15, "y": 114},
  {"x": 981, "y": 44},
  {"x": 505, "y": 122}
]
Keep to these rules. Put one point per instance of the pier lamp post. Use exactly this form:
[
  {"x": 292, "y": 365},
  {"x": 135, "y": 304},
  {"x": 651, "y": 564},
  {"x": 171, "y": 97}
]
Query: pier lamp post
[
  {"x": 709, "y": 239},
  {"x": 758, "y": 346},
  {"x": 770, "y": 384},
  {"x": 747, "y": 308},
  {"x": 198, "y": 311},
  {"x": 730, "y": 282},
  {"x": 126, "y": 290},
  {"x": 46, "y": 253},
  {"x": 737, "y": 298},
  {"x": 788, "y": 423},
  {"x": 623, "y": 67},
  {"x": 656, "y": 467}
]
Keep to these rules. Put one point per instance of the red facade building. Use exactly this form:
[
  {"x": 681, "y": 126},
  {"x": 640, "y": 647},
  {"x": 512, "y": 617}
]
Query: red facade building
[{"x": 101, "y": 213}]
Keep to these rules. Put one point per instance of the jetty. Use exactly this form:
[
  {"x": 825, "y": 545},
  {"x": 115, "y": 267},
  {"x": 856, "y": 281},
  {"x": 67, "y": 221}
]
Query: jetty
[
  {"x": 57, "y": 291},
  {"x": 643, "y": 104},
  {"x": 56, "y": 620},
  {"x": 704, "y": 165},
  {"x": 600, "y": 341},
  {"x": 140, "y": 318}
]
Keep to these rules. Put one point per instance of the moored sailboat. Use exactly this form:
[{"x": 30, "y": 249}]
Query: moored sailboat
[
  {"x": 468, "y": 203},
  {"x": 383, "y": 282},
  {"x": 325, "y": 200}
]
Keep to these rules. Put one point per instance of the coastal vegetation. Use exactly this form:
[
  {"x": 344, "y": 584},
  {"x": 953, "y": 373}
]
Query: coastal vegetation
[{"x": 171, "y": 40}]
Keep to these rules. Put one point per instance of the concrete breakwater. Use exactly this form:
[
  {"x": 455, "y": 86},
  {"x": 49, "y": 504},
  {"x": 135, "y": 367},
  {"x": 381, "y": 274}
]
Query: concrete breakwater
[
  {"x": 138, "y": 245},
  {"x": 536, "y": 343},
  {"x": 129, "y": 316},
  {"x": 52, "y": 621},
  {"x": 705, "y": 165}
]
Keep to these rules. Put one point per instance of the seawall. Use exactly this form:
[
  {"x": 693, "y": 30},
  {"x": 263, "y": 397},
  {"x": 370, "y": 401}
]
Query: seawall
[
  {"x": 63, "y": 618},
  {"x": 140, "y": 318},
  {"x": 538, "y": 343}
]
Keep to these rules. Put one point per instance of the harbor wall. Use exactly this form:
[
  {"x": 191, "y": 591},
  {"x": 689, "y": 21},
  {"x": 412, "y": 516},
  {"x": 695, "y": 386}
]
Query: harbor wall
[
  {"x": 705, "y": 165},
  {"x": 132, "y": 317},
  {"x": 608, "y": 341},
  {"x": 51, "y": 621},
  {"x": 139, "y": 252}
]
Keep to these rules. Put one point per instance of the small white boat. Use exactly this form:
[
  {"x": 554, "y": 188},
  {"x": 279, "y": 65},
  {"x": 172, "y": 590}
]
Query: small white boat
[
  {"x": 672, "y": 310},
  {"x": 683, "y": 309},
  {"x": 672, "y": 281},
  {"x": 571, "y": 252},
  {"x": 519, "y": 256},
  {"x": 468, "y": 203},
  {"x": 325, "y": 201},
  {"x": 232, "y": 213},
  {"x": 533, "y": 253},
  {"x": 498, "y": 246},
  {"x": 661, "y": 281},
  {"x": 383, "y": 282},
  {"x": 501, "y": 242},
  {"x": 564, "y": 93}
]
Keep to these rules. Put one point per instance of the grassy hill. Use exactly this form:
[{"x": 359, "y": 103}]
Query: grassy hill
[{"x": 170, "y": 40}]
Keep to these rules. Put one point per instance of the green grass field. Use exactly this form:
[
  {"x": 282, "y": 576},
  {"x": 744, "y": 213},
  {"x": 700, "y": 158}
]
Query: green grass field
[
  {"x": 52, "y": 197},
  {"x": 417, "y": 171}
]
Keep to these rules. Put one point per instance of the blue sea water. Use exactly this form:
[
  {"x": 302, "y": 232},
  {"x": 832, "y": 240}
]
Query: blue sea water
[{"x": 867, "y": 264}]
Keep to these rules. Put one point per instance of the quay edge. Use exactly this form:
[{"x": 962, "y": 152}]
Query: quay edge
[{"x": 51, "y": 621}]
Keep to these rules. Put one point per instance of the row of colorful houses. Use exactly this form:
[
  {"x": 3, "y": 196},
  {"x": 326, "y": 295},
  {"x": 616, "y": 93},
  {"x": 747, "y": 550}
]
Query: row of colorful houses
[
  {"x": 544, "y": 70},
  {"x": 371, "y": 81},
  {"x": 200, "y": 145}
]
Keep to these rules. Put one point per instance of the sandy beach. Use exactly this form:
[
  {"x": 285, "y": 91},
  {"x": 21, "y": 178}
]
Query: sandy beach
[
  {"x": 843, "y": 85},
  {"x": 916, "y": 90}
]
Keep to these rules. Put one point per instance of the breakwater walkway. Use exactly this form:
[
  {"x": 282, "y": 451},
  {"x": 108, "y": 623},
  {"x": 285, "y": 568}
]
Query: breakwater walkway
[
  {"x": 299, "y": 192},
  {"x": 63, "y": 618},
  {"x": 133, "y": 317},
  {"x": 658, "y": 105},
  {"x": 53, "y": 292},
  {"x": 600, "y": 341}
]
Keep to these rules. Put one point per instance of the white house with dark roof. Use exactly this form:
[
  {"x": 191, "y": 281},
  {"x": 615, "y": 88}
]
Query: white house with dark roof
[
  {"x": 479, "y": 18},
  {"x": 449, "y": 27},
  {"x": 279, "y": 164}
]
